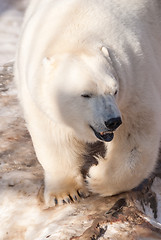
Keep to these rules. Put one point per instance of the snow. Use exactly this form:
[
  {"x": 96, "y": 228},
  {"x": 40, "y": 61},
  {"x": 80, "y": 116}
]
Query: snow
[{"x": 10, "y": 21}]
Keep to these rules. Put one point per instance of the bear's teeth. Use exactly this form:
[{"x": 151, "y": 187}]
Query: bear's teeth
[{"x": 103, "y": 133}]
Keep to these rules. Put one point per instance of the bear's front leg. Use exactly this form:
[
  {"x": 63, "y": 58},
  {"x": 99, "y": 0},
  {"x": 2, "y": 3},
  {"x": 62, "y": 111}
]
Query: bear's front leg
[
  {"x": 61, "y": 163},
  {"x": 129, "y": 160},
  {"x": 63, "y": 186},
  {"x": 60, "y": 156}
]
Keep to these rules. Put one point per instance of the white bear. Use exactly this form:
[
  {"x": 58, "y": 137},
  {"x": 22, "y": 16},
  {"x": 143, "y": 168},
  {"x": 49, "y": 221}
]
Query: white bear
[{"x": 88, "y": 71}]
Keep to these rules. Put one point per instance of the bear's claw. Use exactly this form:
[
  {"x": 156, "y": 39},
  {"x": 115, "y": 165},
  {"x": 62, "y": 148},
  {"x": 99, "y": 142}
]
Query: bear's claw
[{"x": 61, "y": 199}]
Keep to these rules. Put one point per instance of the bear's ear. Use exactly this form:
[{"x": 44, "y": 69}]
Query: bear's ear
[
  {"x": 105, "y": 52},
  {"x": 48, "y": 61}
]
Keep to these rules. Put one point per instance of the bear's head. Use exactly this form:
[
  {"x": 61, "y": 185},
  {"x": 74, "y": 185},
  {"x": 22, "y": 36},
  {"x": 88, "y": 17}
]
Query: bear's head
[{"x": 80, "y": 92}]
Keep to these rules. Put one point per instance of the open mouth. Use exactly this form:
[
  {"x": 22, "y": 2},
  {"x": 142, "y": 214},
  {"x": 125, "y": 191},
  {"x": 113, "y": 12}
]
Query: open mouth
[{"x": 104, "y": 136}]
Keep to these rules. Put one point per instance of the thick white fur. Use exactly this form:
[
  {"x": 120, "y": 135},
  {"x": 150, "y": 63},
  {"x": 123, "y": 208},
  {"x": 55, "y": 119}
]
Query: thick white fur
[{"x": 74, "y": 47}]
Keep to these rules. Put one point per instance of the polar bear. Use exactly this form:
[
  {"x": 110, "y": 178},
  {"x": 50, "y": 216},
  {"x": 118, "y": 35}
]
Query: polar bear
[{"x": 88, "y": 71}]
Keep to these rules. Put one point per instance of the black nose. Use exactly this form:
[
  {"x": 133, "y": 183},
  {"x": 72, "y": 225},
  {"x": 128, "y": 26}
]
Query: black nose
[{"x": 113, "y": 123}]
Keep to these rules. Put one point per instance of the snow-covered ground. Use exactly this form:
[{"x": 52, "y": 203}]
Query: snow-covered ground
[
  {"x": 22, "y": 212},
  {"x": 11, "y": 14}
]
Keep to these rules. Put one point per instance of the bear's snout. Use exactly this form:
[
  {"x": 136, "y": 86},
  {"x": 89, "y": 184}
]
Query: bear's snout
[{"x": 113, "y": 123}]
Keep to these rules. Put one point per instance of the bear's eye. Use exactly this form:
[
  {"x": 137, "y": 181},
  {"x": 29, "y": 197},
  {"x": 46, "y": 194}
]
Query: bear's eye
[
  {"x": 115, "y": 93},
  {"x": 86, "y": 95}
]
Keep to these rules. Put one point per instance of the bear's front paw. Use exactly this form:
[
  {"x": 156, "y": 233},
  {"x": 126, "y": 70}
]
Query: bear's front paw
[
  {"x": 66, "y": 190},
  {"x": 97, "y": 180}
]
